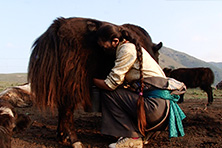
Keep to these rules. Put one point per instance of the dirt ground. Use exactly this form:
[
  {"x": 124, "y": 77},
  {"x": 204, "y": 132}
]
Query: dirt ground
[{"x": 203, "y": 128}]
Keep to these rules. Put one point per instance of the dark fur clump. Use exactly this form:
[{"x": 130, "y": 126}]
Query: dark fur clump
[
  {"x": 10, "y": 121},
  {"x": 194, "y": 77},
  {"x": 18, "y": 96},
  {"x": 7, "y": 123}
]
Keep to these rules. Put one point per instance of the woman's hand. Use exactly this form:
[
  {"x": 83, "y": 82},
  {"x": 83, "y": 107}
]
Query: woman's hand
[{"x": 101, "y": 84}]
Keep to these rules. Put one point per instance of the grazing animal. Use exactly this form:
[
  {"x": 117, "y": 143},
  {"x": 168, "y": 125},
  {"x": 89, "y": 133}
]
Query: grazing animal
[
  {"x": 18, "y": 96},
  {"x": 192, "y": 78},
  {"x": 219, "y": 85},
  {"x": 64, "y": 61},
  {"x": 9, "y": 121}
]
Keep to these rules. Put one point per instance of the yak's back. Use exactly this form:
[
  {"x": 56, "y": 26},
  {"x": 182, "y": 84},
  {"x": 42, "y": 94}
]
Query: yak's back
[{"x": 193, "y": 77}]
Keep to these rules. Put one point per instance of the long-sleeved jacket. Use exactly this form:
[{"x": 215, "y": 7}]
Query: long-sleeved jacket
[{"x": 127, "y": 66}]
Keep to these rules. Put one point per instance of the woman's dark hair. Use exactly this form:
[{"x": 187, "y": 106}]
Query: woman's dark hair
[{"x": 108, "y": 33}]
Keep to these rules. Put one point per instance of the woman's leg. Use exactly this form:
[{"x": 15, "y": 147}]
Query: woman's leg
[{"x": 119, "y": 113}]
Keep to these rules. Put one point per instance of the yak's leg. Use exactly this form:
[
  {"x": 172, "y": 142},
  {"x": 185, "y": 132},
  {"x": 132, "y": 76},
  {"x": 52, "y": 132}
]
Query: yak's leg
[
  {"x": 209, "y": 91},
  {"x": 66, "y": 130},
  {"x": 210, "y": 95}
]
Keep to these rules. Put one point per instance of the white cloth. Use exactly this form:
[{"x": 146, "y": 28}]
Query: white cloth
[{"x": 127, "y": 66}]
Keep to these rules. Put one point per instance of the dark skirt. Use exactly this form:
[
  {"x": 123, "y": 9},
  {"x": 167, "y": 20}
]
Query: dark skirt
[{"x": 119, "y": 113}]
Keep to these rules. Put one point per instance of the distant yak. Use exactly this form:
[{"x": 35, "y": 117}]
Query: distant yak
[
  {"x": 192, "y": 78},
  {"x": 219, "y": 85}
]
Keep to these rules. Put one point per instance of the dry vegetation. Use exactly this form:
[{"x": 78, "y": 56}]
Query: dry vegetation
[{"x": 8, "y": 80}]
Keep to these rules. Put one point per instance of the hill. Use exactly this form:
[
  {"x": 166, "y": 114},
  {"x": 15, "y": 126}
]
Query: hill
[
  {"x": 175, "y": 59},
  {"x": 8, "y": 80},
  {"x": 15, "y": 77},
  {"x": 219, "y": 64}
]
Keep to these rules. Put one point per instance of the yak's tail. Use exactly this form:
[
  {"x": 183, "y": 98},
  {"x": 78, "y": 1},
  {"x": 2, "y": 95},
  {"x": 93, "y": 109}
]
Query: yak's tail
[
  {"x": 43, "y": 70},
  {"x": 56, "y": 71}
]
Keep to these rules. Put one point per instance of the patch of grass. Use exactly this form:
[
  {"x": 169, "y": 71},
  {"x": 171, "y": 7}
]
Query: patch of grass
[
  {"x": 197, "y": 93},
  {"x": 4, "y": 85},
  {"x": 9, "y": 80},
  {"x": 217, "y": 93}
]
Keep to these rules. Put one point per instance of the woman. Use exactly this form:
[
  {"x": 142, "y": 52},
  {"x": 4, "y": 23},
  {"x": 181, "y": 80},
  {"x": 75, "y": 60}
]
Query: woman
[{"x": 131, "y": 107}]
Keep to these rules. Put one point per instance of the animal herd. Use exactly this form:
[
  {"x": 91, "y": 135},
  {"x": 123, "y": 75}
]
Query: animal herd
[{"x": 62, "y": 64}]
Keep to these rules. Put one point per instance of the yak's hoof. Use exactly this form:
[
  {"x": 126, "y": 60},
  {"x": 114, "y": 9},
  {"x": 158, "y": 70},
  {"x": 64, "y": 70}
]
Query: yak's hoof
[
  {"x": 65, "y": 139},
  {"x": 209, "y": 103},
  {"x": 77, "y": 145}
]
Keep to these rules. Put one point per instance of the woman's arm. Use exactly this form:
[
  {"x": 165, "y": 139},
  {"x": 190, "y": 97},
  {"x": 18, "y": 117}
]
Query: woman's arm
[{"x": 101, "y": 84}]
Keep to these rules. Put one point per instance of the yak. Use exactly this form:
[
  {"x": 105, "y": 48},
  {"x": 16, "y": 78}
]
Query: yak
[
  {"x": 194, "y": 77},
  {"x": 63, "y": 62},
  {"x": 219, "y": 85},
  {"x": 10, "y": 120}
]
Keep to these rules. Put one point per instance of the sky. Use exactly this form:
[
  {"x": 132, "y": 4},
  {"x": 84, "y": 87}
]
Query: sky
[{"x": 190, "y": 26}]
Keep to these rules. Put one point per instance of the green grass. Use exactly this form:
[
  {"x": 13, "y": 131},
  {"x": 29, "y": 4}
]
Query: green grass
[
  {"x": 197, "y": 93},
  {"x": 9, "y": 80}
]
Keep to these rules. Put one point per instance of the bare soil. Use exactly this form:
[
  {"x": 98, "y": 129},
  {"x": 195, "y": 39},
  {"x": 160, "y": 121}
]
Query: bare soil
[{"x": 203, "y": 128}]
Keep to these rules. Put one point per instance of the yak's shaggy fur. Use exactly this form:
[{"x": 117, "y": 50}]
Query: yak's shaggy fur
[
  {"x": 10, "y": 121},
  {"x": 7, "y": 123},
  {"x": 18, "y": 96},
  {"x": 64, "y": 61}
]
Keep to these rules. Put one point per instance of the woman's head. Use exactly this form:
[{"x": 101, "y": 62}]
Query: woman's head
[{"x": 108, "y": 37}]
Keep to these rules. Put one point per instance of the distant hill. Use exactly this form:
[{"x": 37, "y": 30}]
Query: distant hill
[
  {"x": 8, "y": 80},
  {"x": 14, "y": 78},
  {"x": 174, "y": 59},
  {"x": 219, "y": 64}
]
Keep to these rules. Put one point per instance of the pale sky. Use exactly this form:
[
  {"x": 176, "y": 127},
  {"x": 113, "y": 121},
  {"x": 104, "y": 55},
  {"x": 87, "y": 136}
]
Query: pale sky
[{"x": 190, "y": 26}]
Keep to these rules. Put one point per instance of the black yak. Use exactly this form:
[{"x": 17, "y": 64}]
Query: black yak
[
  {"x": 64, "y": 61},
  {"x": 219, "y": 85},
  {"x": 194, "y": 77}
]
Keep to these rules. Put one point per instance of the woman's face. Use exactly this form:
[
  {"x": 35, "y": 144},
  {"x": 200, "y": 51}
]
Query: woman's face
[
  {"x": 108, "y": 47},
  {"x": 105, "y": 44}
]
